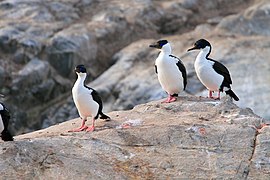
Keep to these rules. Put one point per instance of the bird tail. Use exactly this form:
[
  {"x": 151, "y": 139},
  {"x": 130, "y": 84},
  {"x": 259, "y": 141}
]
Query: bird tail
[
  {"x": 232, "y": 94},
  {"x": 6, "y": 136},
  {"x": 104, "y": 116}
]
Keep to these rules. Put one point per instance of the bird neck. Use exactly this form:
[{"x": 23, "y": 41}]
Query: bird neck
[
  {"x": 166, "y": 49},
  {"x": 80, "y": 80},
  {"x": 204, "y": 53}
]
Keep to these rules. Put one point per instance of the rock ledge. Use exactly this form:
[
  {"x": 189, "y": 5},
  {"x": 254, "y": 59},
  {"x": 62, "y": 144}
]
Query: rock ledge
[{"x": 191, "y": 138}]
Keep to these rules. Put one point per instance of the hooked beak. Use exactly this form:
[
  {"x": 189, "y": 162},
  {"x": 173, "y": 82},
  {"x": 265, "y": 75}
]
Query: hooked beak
[
  {"x": 155, "y": 46},
  {"x": 193, "y": 48}
]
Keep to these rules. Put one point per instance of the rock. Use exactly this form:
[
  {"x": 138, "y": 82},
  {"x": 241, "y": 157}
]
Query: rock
[
  {"x": 2, "y": 74},
  {"x": 35, "y": 71},
  {"x": 38, "y": 75},
  {"x": 31, "y": 46},
  {"x": 71, "y": 47},
  {"x": 260, "y": 158},
  {"x": 173, "y": 17},
  {"x": 253, "y": 21},
  {"x": 8, "y": 43},
  {"x": 188, "y": 139},
  {"x": 21, "y": 58}
]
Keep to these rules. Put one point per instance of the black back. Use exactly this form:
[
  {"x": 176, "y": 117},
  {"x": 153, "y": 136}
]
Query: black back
[
  {"x": 222, "y": 70},
  {"x": 182, "y": 68},
  {"x": 96, "y": 98},
  {"x": 5, "y": 115}
]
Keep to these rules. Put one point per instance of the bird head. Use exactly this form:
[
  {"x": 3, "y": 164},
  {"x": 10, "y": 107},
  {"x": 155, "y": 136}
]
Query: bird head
[
  {"x": 80, "y": 70},
  {"x": 162, "y": 45},
  {"x": 200, "y": 44}
]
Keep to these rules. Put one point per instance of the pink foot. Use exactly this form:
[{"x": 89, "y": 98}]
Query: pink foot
[
  {"x": 215, "y": 98},
  {"x": 82, "y": 128},
  {"x": 90, "y": 129},
  {"x": 126, "y": 125},
  {"x": 202, "y": 131},
  {"x": 169, "y": 99}
]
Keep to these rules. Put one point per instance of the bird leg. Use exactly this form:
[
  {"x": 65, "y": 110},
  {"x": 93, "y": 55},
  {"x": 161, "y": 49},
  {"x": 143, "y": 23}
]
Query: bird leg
[
  {"x": 211, "y": 95},
  {"x": 218, "y": 98},
  {"x": 82, "y": 128},
  {"x": 91, "y": 128},
  {"x": 169, "y": 99}
]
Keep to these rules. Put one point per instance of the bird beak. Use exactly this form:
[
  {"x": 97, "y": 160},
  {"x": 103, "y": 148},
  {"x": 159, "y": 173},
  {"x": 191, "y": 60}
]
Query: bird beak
[
  {"x": 192, "y": 48},
  {"x": 76, "y": 70},
  {"x": 1, "y": 95},
  {"x": 155, "y": 46}
]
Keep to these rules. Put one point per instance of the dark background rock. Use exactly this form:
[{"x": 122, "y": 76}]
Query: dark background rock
[{"x": 253, "y": 21}]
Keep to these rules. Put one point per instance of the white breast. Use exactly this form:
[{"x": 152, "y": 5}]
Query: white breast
[
  {"x": 169, "y": 76},
  {"x": 84, "y": 101},
  {"x": 206, "y": 74}
]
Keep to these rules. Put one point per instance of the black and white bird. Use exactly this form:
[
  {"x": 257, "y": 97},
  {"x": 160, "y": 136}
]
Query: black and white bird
[
  {"x": 213, "y": 75},
  {"x": 4, "y": 120},
  {"x": 87, "y": 101},
  {"x": 171, "y": 71}
]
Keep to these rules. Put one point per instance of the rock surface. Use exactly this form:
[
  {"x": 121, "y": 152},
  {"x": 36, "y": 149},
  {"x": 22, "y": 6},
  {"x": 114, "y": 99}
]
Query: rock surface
[
  {"x": 253, "y": 21},
  {"x": 193, "y": 138}
]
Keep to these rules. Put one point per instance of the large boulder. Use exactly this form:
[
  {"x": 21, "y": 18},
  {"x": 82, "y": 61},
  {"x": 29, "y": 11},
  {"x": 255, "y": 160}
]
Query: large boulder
[
  {"x": 253, "y": 21},
  {"x": 44, "y": 84},
  {"x": 193, "y": 138},
  {"x": 72, "y": 46}
]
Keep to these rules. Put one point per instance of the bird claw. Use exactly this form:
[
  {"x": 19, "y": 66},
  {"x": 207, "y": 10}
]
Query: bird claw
[
  {"x": 169, "y": 100},
  {"x": 90, "y": 129},
  {"x": 215, "y": 98},
  {"x": 79, "y": 129}
]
